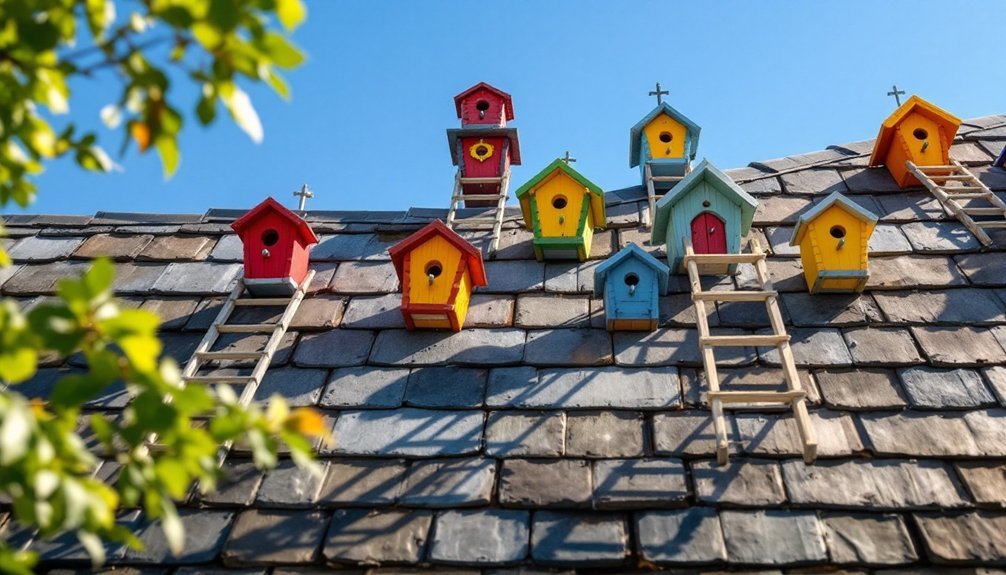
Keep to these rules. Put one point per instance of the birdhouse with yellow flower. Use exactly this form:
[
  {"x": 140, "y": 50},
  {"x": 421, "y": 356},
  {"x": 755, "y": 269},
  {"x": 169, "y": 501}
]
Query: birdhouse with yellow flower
[
  {"x": 665, "y": 141},
  {"x": 563, "y": 209},
  {"x": 437, "y": 269},
  {"x": 833, "y": 237},
  {"x": 916, "y": 132}
]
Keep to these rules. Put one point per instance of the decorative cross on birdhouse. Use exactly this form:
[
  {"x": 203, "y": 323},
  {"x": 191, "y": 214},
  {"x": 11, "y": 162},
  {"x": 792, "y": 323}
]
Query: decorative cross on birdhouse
[
  {"x": 833, "y": 237},
  {"x": 437, "y": 269},
  {"x": 666, "y": 141},
  {"x": 917, "y": 132},
  {"x": 711, "y": 209},
  {"x": 897, "y": 94},
  {"x": 659, "y": 93},
  {"x": 484, "y": 148},
  {"x": 276, "y": 245},
  {"x": 631, "y": 282},
  {"x": 562, "y": 208}
]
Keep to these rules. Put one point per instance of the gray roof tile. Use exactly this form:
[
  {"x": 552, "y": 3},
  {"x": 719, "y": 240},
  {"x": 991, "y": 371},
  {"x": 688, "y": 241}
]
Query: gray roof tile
[
  {"x": 525, "y": 434},
  {"x": 468, "y": 347},
  {"x": 362, "y": 482},
  {"x": 742, "y": 482},
  {"x": 449, "y": 483},
  {"x": 361, "y": 536},
  {"x": 686, "y": 536},
  {"x": 494, "y": 536},
  {"x": 929, "y": 388},
  {"x": 197, "y": 278},
  {"x": 448, "y": 387},
  {"x": 118, "y": 247},
  {"x": 606, "y": 434},
  {"x": 685, "y": 433},
  {"x": 918, "y": 434},
  {"x": 541, "y": 311},
  {"x": 639, "y": 483},
  {"x": 408, "y": 432},
  {"x": 599, "y": 540},
  {"x": 275, "y": 537},
  {"x": 882, "y": 346},
  {"x": 335, "y": 348},
  {"x": 978, "y": 537},
  {"x": 642, "y": 389},
  {"x": 545, "y": 484},
  {"x": 959, "y": 346},
  {"x": 44, "y": 249},
  {"x": 581, "y": 347},
  {"x": 868, "y": 539},
  {"x": 816, "y": 181},
  {"x": 773, "y": 537},
  {"x": 365, "y": 387},
  {"x": 777, "y": 435}
]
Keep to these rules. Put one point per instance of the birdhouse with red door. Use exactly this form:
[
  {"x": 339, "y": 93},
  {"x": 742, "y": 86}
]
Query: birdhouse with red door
[
  {"x": 483, "y": 148},
  {"x": 276, "y": 248},
  {"x": 916, "y": 132},
  {"x": 708, "y": 207},
  {"x": 437, "y": 269}
]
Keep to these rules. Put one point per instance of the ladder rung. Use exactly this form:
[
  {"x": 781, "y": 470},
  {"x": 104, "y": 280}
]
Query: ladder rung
[
  {"x": 734, "y": 295},
  {"x": 262, "y": 301},
  {"x": 742, "y": 340},
  {"x": 984, "y": 211},
  {"x": 970, "y": 196},
  {"x": 952, "y": 191},
  {"x": 1000, "y": 224},
  {"x": 477, "y": 197},
  {"x": 756, "y": 396},
  {"x": 228, "y": 355},
  {"x": 667, "y": 178},
  {"x": 937, "y": 168},
  {"x": 246, "y": 328},
  {"x": 489, "y": 180},
  {"x": 220, "y": 378},
  {"x": 958, "y": 177},
  {"x": 460, "y": 221},
  {"x": 724, "y": 258}
]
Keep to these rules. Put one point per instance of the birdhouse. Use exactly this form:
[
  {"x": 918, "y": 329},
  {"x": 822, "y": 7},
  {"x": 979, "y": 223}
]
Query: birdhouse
[
  {"x": 631, "y": 282},
  {"x": 916, "y": 132},
  {"x": 276, "y": 245},
  {"x": 483, "y": 148},
  {"x": 562, "y": 208},
  {"x": 711, "y": 209},
  {"x": 833, "y": 237},
  {"x": 666, "y": 141},
  {"x": 437, "y": 269}
]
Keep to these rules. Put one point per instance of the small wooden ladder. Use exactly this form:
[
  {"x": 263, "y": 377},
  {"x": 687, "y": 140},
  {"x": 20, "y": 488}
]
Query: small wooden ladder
[
  {"x": 794, "y": 394},
  {"x": 955, "y": 184},
  {"x": 651, "y": 189},
  {"x": 482, "y": 222}
]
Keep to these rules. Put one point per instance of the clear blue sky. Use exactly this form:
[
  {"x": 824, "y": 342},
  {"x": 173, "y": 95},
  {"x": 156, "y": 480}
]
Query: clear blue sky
[{"x": 365, "y": 127}]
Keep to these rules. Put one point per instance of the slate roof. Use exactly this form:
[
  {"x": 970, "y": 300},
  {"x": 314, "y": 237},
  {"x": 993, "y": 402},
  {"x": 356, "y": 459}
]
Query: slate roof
[{"x": 534, "y": 439}]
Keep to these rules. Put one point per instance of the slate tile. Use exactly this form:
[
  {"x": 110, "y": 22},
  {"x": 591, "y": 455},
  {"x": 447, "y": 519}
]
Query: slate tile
[
  {"x": 335, "y": 348},
  {"x": 677, "y": 310},
  {"x": 578, "y": 539},
  {"x": 206, "y": 313},
  {"x": 995, "y": 376},
  {"x": 623, "y": 215},
  {"x": 229, "y": 248},
  {"x": 525, "y": 434},
  {"x": 994, "y": 178},
  {"x": 205, "y": 532},
  {"x": 877, "y": 484},
  {"x": 318, "y": 312},
  {"x": 696, "y": 384},
  {"x": 641, "y": 237},
  {"x": 482, "y": 537},
  {"x": 514, "y": 277},
  {"x": 929, "y": 388},
  {"x": 773, "y": 537},
  {"x": 551, "y": 311},
  {"x": 239, "y": 486},
  {"x": 812, "y": 347},
  {"x": 870, "y": 180},
  {"x": 41, "y": 279},
  {"x": 777, "y": 435},
  {"x": 686, "y": 536},
  {"x": 863, "y": 389},
  {"x": 136, "y": 278},
  {"x": 601, "y": 388},
  {"x": 375, "y": 312},
  {"x": 177, "y": 248},
  {"x": 786, "y": 275},
  {"x": 868, "y": 539},
  {"x": 888, "y": 240},
  {"x": 686, "y": 433},
  {"x": 763, "y": 186},
  {"x": 65, "y": 546},
  {"x": 8, "y": 272},
  {"x": 830, "y": 309},
  {"x": 369, "y": 482},
  {"x": 674, "y": 347},
  {"x": 114, "y": 246},
  {"x": 255, "y": 343},
  {"x": 488, "y": 310},
  {"x": 545, "y": 484},
  {"x": 197, "y": 278},
  {"x": 882, "y": 346},
  {"x": 819, "y": 181},
  {"x": 639, "y": 483},
  {"x": 515, "y": 244},
  {"x": 959, "y": 346},
  {"x": 274, "y": 537},
  {"x": 174, "y": 312},
  {"x": 37, "y": 249},
  {"x": 741, "y": 482},
  {"x": 978, "y": 537},
  {"x": 365, "y": 278},
  {"x": 453, "y": 387},
  {"x": 939, "y": 237},
  {"x": 449, "y": 483},
  {"x": 299, "y": 387},
  {"x": 478, "y": 347},
  {"x": 918, "y": 434},
  {"x": 346, "y": 247},
  {"x": 955, "y": 306},
  {"x": 360, "y": 536},
  {"x": 910, "y": 207},
  {"x": 606, "y": 434},
  {"x": 749, "y": 314},
  {"x": 913, "y": 272},
  {"x": 778, "y": 241},
  {"x": 568, "y": 347},
  {"x": 603, "y": 244},
  {"x": 365, "y": 387},
  {"x": 780, "y": 210},
  {"x": 290, "y": 486},
  {"x": 408, "y": 432},
  {"x": 984, "y": 269}
]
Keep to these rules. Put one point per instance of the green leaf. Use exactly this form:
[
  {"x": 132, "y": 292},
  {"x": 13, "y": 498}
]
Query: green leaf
[
  {"x": 281, "y": 51},
  {"x": 173, "y": 474},
  {"x": 99, "y": 277},
  {"x": 74, "y": 390},
  {"x": 172, "y": 526},
  {"x": 17, "y": 562},
  {"x": 15, "y": 431},
  {"x": 279, "y": 85},
  {"x": 95, "y": 549},
  {"x": 18, "y": 365},
  {"x": 167, "y": 149},
  {"x": 290, "y": 13},
  {"x": 100, "y": 13}
]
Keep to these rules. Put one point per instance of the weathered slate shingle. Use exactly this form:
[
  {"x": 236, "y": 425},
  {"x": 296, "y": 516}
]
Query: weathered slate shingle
[
  {"x": 360, "y": 536},
  {"x": 494, "y": 537},
  {"x": 579, "y": 539},
  {"x": 408, "y": 431}
]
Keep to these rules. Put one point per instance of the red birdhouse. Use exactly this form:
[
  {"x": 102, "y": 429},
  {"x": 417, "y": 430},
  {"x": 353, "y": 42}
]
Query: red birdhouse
[
  {"x": 484, "y": 104},
  {"x": 276, "y": 243}
]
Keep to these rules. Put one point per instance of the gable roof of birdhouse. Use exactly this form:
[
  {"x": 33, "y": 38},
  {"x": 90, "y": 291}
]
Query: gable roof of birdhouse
[
  {"x": 271, "y": 206},
  {"x": 834, "y": 199},
  {"x": 596, "y": 193},
  {"x": 399, "y": 251},
  {"x": 508, "y": 101},
  {"x": 710, "y": 174},
  {"x": 631, "y": 251},
  {"x": 635, "y": 133},
  {"x": 915, "y": 104}
]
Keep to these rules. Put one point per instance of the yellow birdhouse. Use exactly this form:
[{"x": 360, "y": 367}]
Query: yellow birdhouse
[
  {"x": 916, "y": 132},
  {"x": 833, "y": 237},
  {"x": 562, "y": 208}
]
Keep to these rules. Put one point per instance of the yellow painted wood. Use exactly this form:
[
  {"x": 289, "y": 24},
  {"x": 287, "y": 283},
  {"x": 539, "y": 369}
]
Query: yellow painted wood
[
  {"x": 431, "y": 321},
  {"x": 436, "y": 250},
  {"x": 664, "y": 124},
  {"x": 559, "y": 222},
  {"x": 821, "y": 251},
  {"x": 464, "y": 296}
]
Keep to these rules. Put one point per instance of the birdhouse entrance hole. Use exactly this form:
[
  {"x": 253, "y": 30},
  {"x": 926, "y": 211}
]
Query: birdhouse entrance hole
[
  {"x": 270, "y": 237},
  {"x": 920, "y": 134},
  {"x": 559, "y": 202},
  {"x": 631, "y": 279},
  {"x": 482, "y": 105},
  {"x": 434, "y": 269},
  {"x": 837, "y": 232},
  {"x": 481, "y": 151},
  {"x": 666, "y": 137}
]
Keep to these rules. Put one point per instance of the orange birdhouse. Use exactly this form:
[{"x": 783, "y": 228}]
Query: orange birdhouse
[
  {"x": 437, "y": 269},
  {"x": 916, "y": 132},
  {"x": 276, "y": 245}
]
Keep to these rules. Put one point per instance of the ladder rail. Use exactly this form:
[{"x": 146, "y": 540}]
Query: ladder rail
[{"x": 948, "y": 197}]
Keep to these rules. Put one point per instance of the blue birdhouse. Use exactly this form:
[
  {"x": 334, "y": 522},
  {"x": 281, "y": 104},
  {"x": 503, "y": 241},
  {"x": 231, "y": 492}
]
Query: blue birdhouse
[
  {"x": 631, "y": 282},
  {"x": 666, "y": 141},
  {"x": 711, "y": 209}
]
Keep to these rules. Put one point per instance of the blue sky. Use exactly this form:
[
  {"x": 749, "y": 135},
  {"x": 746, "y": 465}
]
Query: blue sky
[{"x": 366, "y": 125}]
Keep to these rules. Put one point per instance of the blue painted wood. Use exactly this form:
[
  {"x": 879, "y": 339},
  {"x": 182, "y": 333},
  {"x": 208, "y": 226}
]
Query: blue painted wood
[{"x": 621, "y": 301}]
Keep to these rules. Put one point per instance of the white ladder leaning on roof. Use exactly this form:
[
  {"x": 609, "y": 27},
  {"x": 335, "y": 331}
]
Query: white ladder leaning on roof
[
  {"x": 499, "y": 211},
  {"x": 794, "y": 394},
  {"x": 955, "y": 183},
  {"x": 651, "y": 189}
]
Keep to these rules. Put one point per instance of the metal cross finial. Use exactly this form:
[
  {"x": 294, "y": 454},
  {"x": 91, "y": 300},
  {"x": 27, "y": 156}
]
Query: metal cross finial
[
  {"x": 567, "y": 158},
  {"x": 304, "y": 193},
  {"x": 658, "y": 93},
  {"x": 896, "y": 93}
]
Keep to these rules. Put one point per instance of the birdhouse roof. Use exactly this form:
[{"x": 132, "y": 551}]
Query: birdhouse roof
[
  {"x": 399, "y": 251},
  {"x": 636, "y": 132},
  {"x": 484, "y": 131},
  {"x": 835, "y": 199},
  {"x": 631, "y": 251},
  {"x": 708, "y": 173},
  {"x": 271, "y": 206},
  {"x": 596, "y": 194},
  {"x": 489, "y": 88},
  {"x": 915, "y": 104}
]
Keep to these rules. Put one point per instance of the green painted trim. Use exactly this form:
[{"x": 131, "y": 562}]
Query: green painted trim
[
  {"x": 583, "y": 216},
  {"x": 535, "y": 222},
  {"x": 570, "y": 242},
  {"x": 569, "y": 171}
]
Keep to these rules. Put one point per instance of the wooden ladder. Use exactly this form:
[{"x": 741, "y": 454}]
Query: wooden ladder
[
  {"x": 651, "y": 189},
  {"x": 794, "y": 394},
  {"x": 498, "y": 212},
  {"x": 955, "y": 184}
]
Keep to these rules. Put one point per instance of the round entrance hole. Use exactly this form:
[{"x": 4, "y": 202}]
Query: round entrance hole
[
  {"x": 482, "y": 105},
  {"x": 706, "y": 204},
  {"x": 665, "y": 137},
  {"x": 837, "y": 232},
  {"x": 270, "y": 237},
  {"x": 920, "y": 134},
  {"x": 434, "y": 269},
  {"x": 559, "y": 202},
  {"x": 481, "y": 151},
  {"x": 631, "y": 279}
]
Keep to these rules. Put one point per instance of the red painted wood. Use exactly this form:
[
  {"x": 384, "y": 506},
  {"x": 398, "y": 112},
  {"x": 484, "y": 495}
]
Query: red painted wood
[
  {"x": 709, "y": 234},
  {"x": 275, "y": 242},
  {"x": 483, "y": 104}
]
